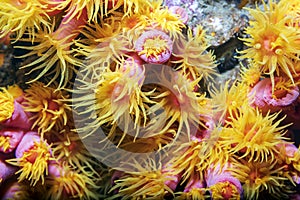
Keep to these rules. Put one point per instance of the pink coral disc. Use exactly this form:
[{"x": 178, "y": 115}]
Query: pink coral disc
[
  {"x": 184, "y": 17},
  {"x": 154, "y": 47},
  {"x": 15, "y": 136},
  {"x": 135, "y": 66},
  {"x": 282, "y": 97}
]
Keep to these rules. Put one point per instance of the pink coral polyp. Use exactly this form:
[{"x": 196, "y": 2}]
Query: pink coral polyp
[{"x": 154, "y": 47}]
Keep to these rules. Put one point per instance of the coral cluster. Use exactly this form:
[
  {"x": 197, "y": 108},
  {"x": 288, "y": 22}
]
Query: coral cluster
[{"x": 120, "y": 104}]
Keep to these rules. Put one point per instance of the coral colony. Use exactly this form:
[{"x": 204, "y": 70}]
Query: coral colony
[{"x": 133, "y": 71}]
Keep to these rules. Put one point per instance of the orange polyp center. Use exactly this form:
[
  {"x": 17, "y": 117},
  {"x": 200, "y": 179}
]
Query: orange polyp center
[
  {"x": 174, "y": 101},
  {"x": 132, "y": 21},
  {"x": 32, "y": 156},
  {"x": 253, "y": 176},
  {"x": 53, "y": 105},
  {"x": 248, "y": 132},
  {"x": 227, "y": 192},
  {"x": 267, "y": 44},
  {"x": 117, "y": 90},
  {"x": 118, "y": 95},
  {"x": 72, "y": 146},
  {"x": 278, "y": 94}
]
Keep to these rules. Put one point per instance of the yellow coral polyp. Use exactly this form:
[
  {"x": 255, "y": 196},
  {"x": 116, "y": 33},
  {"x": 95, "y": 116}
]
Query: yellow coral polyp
[
  {"x": 143, "y": 183},
  {"x": 168, "y": 22},
  {"x": 224, "y": 190},
  {"x": 154, "y": 47},
  {"x": 179, "y": 102},
  {"x": 70, "y": 149},
  {"x": 117, "y": 101},
  {"x": 272, "y": 45},
  {"x": 6, "y": 104},
  {"x": 21, "y": 16},
  {"x": 106, "y": 51},
  {"x": 34, "y": 163},
  {"x": 117, "y": 96},
  {"x": 47, "y": 105},
  {"x": 253, "y": 135},
  {"x": 192, "y": 159},
  {"x": 251, "y": 75},
  {"x": 192, "y": 56},
  {"x": 4, "y": 143},
  {"x": 71, "y": 183},
  {"x": 228, "y": 99},
  {"x": 55, "y": 57},
  {"x": 258, "y": 177}
]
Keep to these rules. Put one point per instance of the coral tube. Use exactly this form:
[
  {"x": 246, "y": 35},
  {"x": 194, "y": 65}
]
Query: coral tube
[
  {"x": 194, "y": 189},
  {"x": 9, "y": 139},
  {"x": 12, "y": 113},
  {"x": 6, "y": 171},
  {"x": 284, "y": 95},
  {"x": 19, "y": 119},
  {"x": 16, "y": 190}
]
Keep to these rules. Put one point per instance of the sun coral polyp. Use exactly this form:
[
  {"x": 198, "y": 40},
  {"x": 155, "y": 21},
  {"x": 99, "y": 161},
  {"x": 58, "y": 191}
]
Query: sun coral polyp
[
  {"x": 32, "y": 156},
  {"x": 47, "y": 105},
  {"x": 21, "y": 16},
  {"x": 147, "y": 182},
  {"x": 177, "y": 102},
  {"x": 56, "y": 56},
  {"x": 228, "y": 100},
  {"x": 154, "y": 47},
  {"x": 110, "y": 46},
  {"x": 117, "y": 100},
  {"x": 65, "y": 182},
  {"x": 252, "y": 135},
  {"x": 272, "y": 45},
  {"x": 191, "y": 55},
  {"x": 265, "y": 178}
]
